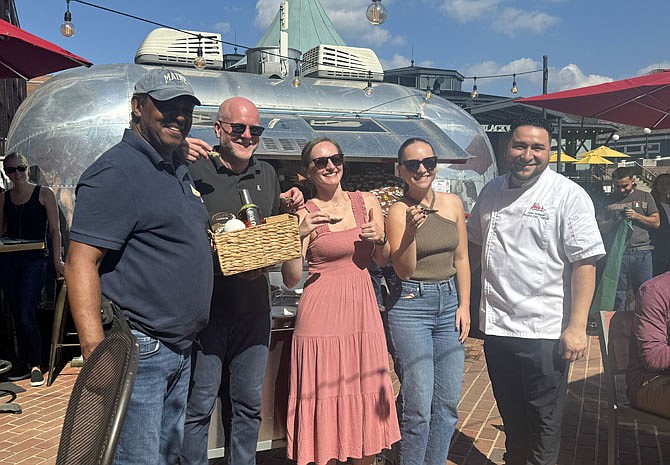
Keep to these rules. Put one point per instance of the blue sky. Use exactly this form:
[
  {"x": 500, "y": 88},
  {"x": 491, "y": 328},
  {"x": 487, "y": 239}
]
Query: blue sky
[{"x": 587, "y": 41}]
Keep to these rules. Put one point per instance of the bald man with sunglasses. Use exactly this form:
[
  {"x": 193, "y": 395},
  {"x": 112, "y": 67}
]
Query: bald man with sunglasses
[{"x": 233, "y": 348}]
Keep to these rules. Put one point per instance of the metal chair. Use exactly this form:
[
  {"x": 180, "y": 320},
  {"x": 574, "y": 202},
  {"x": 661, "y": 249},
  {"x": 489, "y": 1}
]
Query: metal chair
[
  {"x": 614, "y": 333},
  {"x": 58, "y": 334},
  {"x": 99, "y": 401}
]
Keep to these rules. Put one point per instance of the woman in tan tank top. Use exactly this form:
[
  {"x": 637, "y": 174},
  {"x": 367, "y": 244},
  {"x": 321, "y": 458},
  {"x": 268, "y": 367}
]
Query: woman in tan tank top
[{"x": 429, "y": 318}]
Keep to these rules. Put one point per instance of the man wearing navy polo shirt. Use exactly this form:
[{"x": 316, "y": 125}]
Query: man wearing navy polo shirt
[{"x": 139, "y": 238}]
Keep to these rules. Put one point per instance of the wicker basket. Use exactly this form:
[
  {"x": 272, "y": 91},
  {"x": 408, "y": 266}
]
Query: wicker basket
[{"x": 275, "y": 241}]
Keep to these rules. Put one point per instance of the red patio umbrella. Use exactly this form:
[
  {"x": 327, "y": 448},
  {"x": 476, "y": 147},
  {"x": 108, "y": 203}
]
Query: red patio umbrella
[
  {"x": 23, "y": 55},
  {"x": 642, "y": 101}
]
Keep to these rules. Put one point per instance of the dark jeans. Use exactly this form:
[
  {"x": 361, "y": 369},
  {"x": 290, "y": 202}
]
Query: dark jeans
[
  {"x": 22, "y": 277},
  {"x": 636, "y": 268},
  {"x": 530, "y": 382},
  {"x": 235, "y": 346}
]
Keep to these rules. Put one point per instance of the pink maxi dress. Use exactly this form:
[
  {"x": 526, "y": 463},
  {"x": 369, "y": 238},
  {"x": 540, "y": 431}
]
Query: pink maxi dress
[{"x": 341, "y": 401}]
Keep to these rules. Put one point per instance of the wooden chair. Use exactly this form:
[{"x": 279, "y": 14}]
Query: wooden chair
[
  {"x": 615, "y": 332},
  {"x": 99, "y": 400}
]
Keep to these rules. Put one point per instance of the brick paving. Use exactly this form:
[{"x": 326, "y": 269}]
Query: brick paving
[{"x": 31, "y": 438}]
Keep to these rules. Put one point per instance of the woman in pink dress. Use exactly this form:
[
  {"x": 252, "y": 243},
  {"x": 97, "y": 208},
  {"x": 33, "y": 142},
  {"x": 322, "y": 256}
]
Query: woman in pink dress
[{"x": 341, "y": 402}]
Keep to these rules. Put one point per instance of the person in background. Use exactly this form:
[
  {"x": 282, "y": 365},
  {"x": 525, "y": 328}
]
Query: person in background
[
  {"x": 638, "y": 206},
  {"x": 27, "y": 212},
  {"x": 648, "y": 374},
  {"x": 428, "y": 317},
  {"x": 234, "y": 345},
  {"x": 139, "y": 237},
  {"x": 340, "y": 397},
  {"x": 660, "y": 238},
  {"x": 535, "y": 234}
]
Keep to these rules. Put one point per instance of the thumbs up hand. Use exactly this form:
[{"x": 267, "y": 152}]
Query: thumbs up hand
[{"x": 371, "y": 231}]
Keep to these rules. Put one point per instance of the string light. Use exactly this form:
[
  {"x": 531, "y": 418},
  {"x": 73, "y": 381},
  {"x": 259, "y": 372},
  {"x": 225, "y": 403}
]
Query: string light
[
  {"x": 376, "y": 13},
  {"x": 67, "y": 28},
  {"x": 475, "y": 93},
  {"x": 514, "y": 88},
  {"x": 368, "y": 89},
  {"x": 199, "y": 61}
]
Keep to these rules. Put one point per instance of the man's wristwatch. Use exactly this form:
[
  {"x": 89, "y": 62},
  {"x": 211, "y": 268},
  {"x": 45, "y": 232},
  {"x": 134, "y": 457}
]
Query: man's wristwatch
[{"x": 383, "y": 241}]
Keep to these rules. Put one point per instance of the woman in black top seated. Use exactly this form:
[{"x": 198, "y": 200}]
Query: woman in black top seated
[{"x": 26, "y": 211}]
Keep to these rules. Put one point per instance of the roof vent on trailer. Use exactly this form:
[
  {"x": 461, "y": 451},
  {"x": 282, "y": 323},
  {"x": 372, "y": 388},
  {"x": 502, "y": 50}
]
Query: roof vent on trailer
[
  {"x": 339, "y": 62},
  {"x": 175, "y": 48}
]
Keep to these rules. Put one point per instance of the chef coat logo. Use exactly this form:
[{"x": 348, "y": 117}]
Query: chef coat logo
[{"x": 536, "y": 211}]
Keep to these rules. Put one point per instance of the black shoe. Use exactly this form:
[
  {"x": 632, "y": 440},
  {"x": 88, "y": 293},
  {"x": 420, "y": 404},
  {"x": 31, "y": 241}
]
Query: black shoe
[{"x": 36, "y": 378}]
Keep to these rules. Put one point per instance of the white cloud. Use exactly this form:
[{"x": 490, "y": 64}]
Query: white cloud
[
  {"x": 571, "y": 77},
  {"x": 222, "y": 27},
  {"x": 398, "y": 61},
  {"x": 401, "y": 61},
  {"x": 469, "y": 10},
  {"x": 513, "y": 21},
  {"x": 266, "y": 10},
  {"x": 653, "y": 67}
]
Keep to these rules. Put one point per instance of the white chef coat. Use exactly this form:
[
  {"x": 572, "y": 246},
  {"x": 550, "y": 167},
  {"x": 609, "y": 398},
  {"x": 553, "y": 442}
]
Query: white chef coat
[{"x": 530, "y": 237}]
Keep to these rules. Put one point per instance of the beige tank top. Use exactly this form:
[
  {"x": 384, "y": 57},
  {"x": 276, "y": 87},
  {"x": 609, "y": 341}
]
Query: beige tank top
[{"x": 436, "y": 241}]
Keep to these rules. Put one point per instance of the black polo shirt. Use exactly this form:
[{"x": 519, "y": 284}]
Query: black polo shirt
[
  {"x": 152, "y": 221},
  {"x": 220, "y": 191}
]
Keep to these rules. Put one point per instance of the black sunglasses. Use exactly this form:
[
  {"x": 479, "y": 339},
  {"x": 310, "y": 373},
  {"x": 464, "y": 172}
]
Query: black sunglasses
[
  {"x": 321, "y": 162},
  {"x": 413, "y": 165},
  {"x": 239, "y": 128},
  {"x": 12, "y": 169}
]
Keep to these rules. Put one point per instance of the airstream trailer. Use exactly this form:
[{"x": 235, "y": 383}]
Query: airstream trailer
[{"x": 77, "y": 115}]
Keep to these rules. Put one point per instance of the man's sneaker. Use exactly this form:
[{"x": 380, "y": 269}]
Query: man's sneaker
[{"x": 36, "y": 378}]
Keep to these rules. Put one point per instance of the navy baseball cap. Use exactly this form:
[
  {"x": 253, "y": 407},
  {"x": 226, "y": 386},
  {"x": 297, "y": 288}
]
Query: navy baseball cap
[{"x": 164, "y": 84}]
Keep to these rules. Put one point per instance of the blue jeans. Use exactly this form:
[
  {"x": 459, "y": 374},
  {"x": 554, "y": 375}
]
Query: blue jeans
[
  {"x": 22, "y": 277},
  {"x": 235, "y": 347},
  {"x": 429, "y": 361},
  {"x": 636, "y": 268},
  {"x": 153, "y": 429}
]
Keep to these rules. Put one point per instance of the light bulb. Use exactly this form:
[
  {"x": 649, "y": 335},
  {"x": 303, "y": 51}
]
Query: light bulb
[
  {"x": 428, "y": 95},
  {"x": 67, "y": 28},
  {"x": 295, "y": 82},
  {"x": 376, "y": 13},
  {"x": 368, "y": 91},
  {"x": 475, "y": 93},
  {"x": 514, "y": 89},
  {"x": 199, "y": 62}
]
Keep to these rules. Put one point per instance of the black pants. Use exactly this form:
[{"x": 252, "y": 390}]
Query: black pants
[{"x": 530, "y": 381}]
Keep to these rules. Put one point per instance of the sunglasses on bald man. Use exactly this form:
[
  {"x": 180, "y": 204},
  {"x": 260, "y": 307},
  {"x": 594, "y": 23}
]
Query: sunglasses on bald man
[{"x": 239, "y": 128}]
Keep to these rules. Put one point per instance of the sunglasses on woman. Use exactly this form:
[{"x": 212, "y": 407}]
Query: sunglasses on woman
[
  {"x": 12, "y": 169},
  {"x": 239, "y": 128},
  {"x": 321, "y": 162},
  {"x": 413, "y": 165}
]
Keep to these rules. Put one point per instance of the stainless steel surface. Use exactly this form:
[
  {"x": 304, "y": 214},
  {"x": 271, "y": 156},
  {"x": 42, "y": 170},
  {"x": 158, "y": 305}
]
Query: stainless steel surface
[{"x": 78, "y": 114}]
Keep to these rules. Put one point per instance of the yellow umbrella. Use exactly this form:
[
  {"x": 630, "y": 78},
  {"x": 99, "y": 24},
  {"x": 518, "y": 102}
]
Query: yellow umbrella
[
  {"x": 565, "y": 158},
  {"x": 593, "y": 160},
  {"x": 604, "y": 151}
]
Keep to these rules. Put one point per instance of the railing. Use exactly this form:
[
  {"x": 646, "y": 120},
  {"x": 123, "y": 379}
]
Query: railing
[{"x": 645, "y": 173}]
